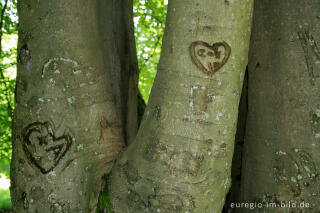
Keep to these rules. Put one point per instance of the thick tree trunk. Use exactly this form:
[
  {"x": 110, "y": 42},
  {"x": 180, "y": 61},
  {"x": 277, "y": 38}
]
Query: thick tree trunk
[
  {"x": 181, "y": 158},
  {"x": 71, "y": 116},
  {"x": 282, "y": 141}
]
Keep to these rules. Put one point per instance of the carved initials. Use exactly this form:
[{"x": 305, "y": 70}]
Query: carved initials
[{"x": 209, "y": 58}]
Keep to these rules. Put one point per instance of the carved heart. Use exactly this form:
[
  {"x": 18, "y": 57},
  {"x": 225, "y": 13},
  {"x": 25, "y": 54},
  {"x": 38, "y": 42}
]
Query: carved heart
[
  {"x": 42, "y": 147},
  {"x": 209, "y": 58}
]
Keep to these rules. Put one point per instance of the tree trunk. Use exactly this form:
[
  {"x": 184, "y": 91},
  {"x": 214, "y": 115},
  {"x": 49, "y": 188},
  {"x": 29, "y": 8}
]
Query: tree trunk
[
  {"x": 71, "y": 116},
  {"x": 127, "y": 84},
  {"x": 282, "y": 139},
  {"x": 181, "y": 158}
]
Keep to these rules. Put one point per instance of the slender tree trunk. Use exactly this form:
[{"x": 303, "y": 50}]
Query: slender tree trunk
[
  {"x": 181, "y": 158},
  {"x": 127, "y": 84},
  {"x": 70, "y": 116},
  {"x": 282, "y": 140}
]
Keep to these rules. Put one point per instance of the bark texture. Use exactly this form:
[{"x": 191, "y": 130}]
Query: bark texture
[
  {"x": 282, "y": 140},
  {"x": 71, "y": 115},
  {"x": 181, "y": 158}
]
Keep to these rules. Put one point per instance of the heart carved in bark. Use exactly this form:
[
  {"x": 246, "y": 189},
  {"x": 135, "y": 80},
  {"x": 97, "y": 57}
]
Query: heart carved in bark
[
  {"x": 209, "y": 58},
  {"x": 42, "y": 147}
]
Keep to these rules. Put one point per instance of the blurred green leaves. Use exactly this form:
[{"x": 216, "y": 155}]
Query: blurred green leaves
[
  {"x": 149, "y": 19},
  {"x": 5, "y": 203},
  {"x": 10, "y": 17},
  {"x": 8, "y": 55}
]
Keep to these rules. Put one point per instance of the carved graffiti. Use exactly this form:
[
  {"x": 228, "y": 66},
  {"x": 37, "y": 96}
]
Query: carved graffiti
[
  {"x": 167, "y": 203},
  {"x": 286, "y": 167},
  {"x": 144, "y": 193},
  {"x": 295, "y": 170},
  {"x": 157, "y": 112},
  {"x": 200, "y": 97},
  {"x": 315, "y": 122},
  {"x": 74, "y": 81},
  {"x": 42, "y": 147},
  {"x": 25, "y": 200},
  {"x": 24, "y": 54},
  {"x": 308, "y": 42},
  {"x": 209, "y": 58}
]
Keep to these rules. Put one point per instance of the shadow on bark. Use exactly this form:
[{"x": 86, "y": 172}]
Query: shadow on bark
[{"x": 234, "y": 192}]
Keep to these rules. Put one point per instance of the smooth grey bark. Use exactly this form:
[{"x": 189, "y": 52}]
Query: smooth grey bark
[
  {"x": 70, "y": 114},
  {"x": 282, "y": 138},
  {"x": 181, "y": 158}
]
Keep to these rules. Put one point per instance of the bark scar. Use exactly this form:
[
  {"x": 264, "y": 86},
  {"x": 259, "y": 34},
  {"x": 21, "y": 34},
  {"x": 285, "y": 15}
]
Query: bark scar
[
  {"x": 104, "y": 125},
  {"x": 111, "y": 135}
]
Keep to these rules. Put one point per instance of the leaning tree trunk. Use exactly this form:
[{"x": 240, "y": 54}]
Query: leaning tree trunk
[
  {"x": 70, "y": 114},
  {"x": 181, "y": 158},
  {"x": 128, "y": 77},
  {"x": 283, "y": 128}
]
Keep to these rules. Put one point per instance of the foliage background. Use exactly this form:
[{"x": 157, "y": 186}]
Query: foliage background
[
  {"x": 8, "y": 54},
  {"x": 149, "y": 19}
]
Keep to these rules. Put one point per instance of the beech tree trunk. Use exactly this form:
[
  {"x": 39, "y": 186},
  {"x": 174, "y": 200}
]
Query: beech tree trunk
[
  {"x": 76, "y": 101},
  {"x": 282, "y": 140},
  {"x": 181, "y": 158}
]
